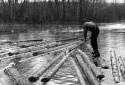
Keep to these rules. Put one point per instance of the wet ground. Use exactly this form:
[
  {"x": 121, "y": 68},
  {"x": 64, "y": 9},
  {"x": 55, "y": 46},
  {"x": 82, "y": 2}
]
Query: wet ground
[{"x": 111, "y": 37}]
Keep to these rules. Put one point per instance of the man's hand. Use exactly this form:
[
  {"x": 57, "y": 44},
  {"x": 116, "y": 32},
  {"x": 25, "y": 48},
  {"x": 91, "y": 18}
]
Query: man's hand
[
  {"x": 88, "y": 38},
  {"x": 85, "y": 40}
]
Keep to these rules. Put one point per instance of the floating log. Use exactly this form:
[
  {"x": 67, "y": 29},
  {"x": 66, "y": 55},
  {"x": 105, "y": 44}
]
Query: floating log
[
  {"x": 56, "y": 68},
  {"x": 92, "y": 80},
  {"x": 40, "y": 40},
  {"x": 59, "y": 48},
  {"x": 22, "y": 41},
  {"x": 38, "y": 44},
  {"x": 114, "y": 65},
  {"x": 96, "y": 60},
  {"x": 11, "y": 76},
  {"x": 80, "y": 75},
  {"x": 35, "y": 76},
  {"x": 30, "y": 49},
  {"x": 27, "y": 50},
  {"x": 42, "y": 51},
  {"x": 121, "y": 67},
  {"x": 92, "y": 66},
  {"x": 59, "y": 65},
  {"x": 34, "y": 48}
]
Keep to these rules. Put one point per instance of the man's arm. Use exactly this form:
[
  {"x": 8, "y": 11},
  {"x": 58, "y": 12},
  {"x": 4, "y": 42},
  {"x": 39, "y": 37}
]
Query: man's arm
[{"x": 85, "y": 33}]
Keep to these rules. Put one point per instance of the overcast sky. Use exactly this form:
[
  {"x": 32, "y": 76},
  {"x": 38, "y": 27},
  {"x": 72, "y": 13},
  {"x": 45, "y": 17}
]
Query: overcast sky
[
  {"x": 119, "y": 1},
  {"x": 109, "y": 1}
]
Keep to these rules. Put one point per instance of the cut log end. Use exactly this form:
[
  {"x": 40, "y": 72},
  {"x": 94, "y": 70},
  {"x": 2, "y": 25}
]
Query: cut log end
[
  {"x": 10, "y": 54},
  {"x": 45, "y": 80},
  {"x": 33, "y": 79},
  {"x": 35, "y": 54},
  {"x": 100, "y": 77}
]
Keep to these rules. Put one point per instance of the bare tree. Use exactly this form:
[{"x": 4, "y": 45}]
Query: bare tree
[
  {"x": 56, "y": 9},
  {"x": 80, "y": 11},
  {"x": 63, "y": 11},
  {"x": 16, "y": 1}
]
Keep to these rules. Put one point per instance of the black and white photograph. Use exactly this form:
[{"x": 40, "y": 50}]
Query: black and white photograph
[{"x": 62, "y": 42}]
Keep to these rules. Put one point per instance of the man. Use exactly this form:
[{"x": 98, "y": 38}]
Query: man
[{"x": 94, "y": 29}]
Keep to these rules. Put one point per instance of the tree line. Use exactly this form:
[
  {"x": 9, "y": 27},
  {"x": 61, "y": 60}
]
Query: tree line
[{"x": 60, "y": 12}]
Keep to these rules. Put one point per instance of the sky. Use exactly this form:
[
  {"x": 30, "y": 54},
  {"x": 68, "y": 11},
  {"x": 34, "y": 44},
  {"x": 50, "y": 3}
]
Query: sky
[
  {"x": 109, "y": 1},
  {"x": 118, "y": 1}
]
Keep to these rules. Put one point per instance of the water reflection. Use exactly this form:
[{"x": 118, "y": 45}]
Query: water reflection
[{"x": 112, "y": 40}]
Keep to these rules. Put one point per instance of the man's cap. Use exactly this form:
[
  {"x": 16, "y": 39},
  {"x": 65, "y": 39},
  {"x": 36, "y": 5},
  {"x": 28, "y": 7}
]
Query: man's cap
[{"x": 85, "y": 20}]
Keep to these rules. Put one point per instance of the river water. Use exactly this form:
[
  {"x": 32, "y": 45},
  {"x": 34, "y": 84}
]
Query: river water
[{"x": 112, "y": 36}]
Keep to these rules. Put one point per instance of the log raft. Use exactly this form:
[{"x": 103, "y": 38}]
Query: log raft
[
  {"x": 39, "y": 52},
  {"x": 86, "y": 70},
  {"x": 92, "y": 80}
]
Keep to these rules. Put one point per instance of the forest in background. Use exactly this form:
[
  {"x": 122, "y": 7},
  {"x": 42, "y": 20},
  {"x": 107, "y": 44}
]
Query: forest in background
[{"x": 60, "y": 12}]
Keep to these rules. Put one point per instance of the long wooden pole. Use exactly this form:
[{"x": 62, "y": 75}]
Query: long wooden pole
[
  {"x": 38, "y": 52},
  {"x": 33, "y": 48},
  {"x": 34, "y": 77},
  {"x": 40, "y": 40},
  {"x": 79, "y": 73},
  {"x": 91, "y": 64},
  {"x": 59, "y": 65},
  {"x": 56, "y": 68},
  {"x": 88, "y": 72},
  {"x": 60, "y": 48}
]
